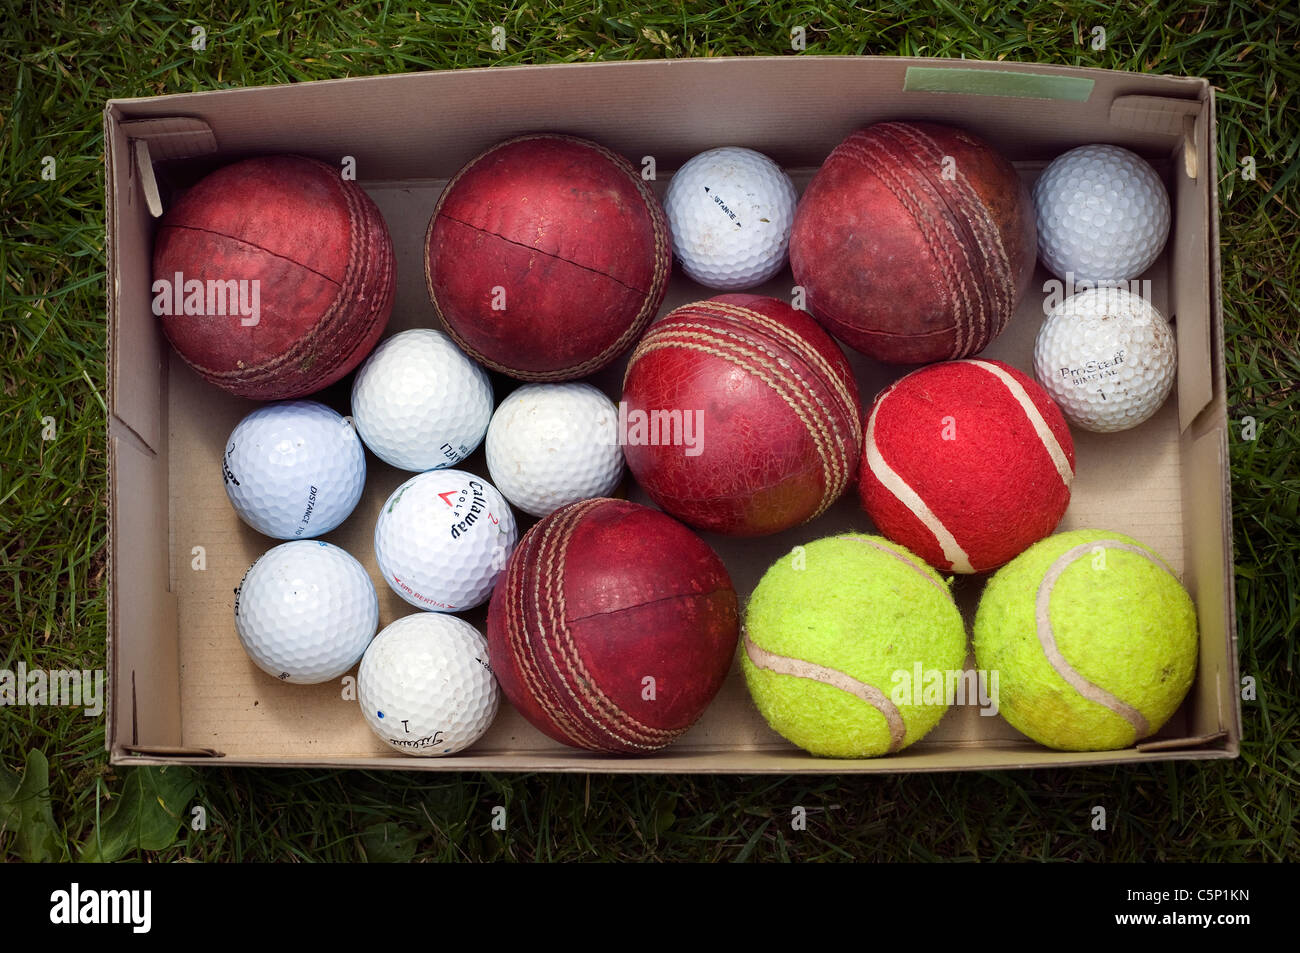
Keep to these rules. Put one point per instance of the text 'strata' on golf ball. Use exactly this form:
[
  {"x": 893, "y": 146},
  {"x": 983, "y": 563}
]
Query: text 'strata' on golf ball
[
  {"x": 730, "y": 211},
  {"x": 421, "y": 403},
  {"x": 305, "y": 611},
  {"x": 553, "y": 444},
  {"x": 425, "y": 685},
  {"x": 294, "y": 470},
  {"x": 1102, "y": 215},
  {"x": 1107, "y": 357},
  {"x": 443, "y": 538}
]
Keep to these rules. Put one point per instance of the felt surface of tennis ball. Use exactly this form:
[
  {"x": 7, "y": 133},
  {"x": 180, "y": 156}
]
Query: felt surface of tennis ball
[
  {"x": 834, "y": 630},
  {"x": 1093, "y": 637}
]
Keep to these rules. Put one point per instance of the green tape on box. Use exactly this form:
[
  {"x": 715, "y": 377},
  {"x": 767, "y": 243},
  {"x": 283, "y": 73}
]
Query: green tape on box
[{"x": 987, "y": 82}]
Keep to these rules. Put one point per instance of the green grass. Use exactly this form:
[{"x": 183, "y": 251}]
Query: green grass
[{"x": 58, "y": 66}]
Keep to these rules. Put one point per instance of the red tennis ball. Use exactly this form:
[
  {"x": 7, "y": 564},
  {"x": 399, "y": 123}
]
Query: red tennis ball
[
  {"x": 740, "y": 416},
  {"x": 914, "y": 242},
  {"x": 966, "y": 463},
  {"x": 547, "y": 256},
  {"x": 613, "y": 627},
  {"x": 273, "y": 277}
]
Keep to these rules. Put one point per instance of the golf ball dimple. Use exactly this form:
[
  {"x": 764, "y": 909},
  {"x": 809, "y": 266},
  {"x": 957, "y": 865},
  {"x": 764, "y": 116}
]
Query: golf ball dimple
[
  {"x": 730, "y": 211},
  {"x": 553, "y": 444},
  {"x": 294, "y": 470},
  {"x": 1102, "y": 213},
  {"x": 1107, "y": 357},
  {"x": 442, "y": 540},
  {"x": 305, "y": 612},
  {"x": 421, "y": 403},
  {"x": 425, "y": 685}
]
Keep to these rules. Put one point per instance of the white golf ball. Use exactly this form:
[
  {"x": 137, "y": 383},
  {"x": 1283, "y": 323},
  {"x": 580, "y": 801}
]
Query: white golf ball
[
  {"x": 425, "y": 685},
  {"x": 730, "y": 211},
  {"x": 1102, "y": 215},
  {"x": 1107, "y": 357},
  {"x": 420, "y": 403},
  {"x": 305, "y": 611},
  {"x": 443, "y": 538},
  {"x": 553, "y": 444},
  {"x": 294, "y": 470}
]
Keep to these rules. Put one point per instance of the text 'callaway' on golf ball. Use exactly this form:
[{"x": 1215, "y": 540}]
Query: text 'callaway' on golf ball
[
  {"x": 1107, "y": 357},
  {"x": 294, "y": 470},
  {"x": 305, "y": 611},
  {"x": 553, "y": 444},
  {"x": 420, "y": 403},
  {"x": 443, "y": 538},
  {"x": 425, "y": 685},
  {"x": 730, "y": 211},
  {"x": 1102, "y": 213}
]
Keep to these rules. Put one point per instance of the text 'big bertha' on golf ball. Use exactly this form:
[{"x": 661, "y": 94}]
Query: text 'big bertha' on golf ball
[
  {"x": 553, "y": 444},
  {"x": 1107, "y": 357},
  {"x": 420, "y": 403},
  {"x": 730, "y": 211},
  {"x": 443, "y": 538},
  {"x": 305, "y": 611},
  {"x": 1102, "y": 215},
  {"x": 294, "y": 470},
  {"x": 425, "y": 686}
]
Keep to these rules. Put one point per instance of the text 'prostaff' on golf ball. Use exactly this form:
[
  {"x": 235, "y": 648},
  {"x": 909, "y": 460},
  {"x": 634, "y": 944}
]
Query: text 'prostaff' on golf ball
[
  {"x": 420, "y": 403},
  {"x": 294, "y": 470},
  {"x": 443, "y": 538},
  {"x": 305, "y": 611},
  {"x": 425, "y": 685},
  {"x": 1107, "y": 357},
  {"x": 730, "y": 211}
]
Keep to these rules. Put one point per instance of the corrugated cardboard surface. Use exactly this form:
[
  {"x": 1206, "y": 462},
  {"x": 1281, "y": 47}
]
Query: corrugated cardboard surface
[{"x": 187, "y": 683}]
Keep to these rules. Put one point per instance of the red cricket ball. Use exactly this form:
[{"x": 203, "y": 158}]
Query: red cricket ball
[
  {"x": 740, "y": 416},
  {"x": 613, "y": 627},
  {"x": 914, "y": 242},
  {"x": 273, "y": 277},
  {"x": 547, "y": 256}
]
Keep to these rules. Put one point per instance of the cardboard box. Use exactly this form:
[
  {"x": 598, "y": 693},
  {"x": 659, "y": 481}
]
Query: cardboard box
[{"x": 182, "y": 690}]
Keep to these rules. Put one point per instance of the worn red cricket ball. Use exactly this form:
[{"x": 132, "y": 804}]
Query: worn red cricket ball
[
  {"x": 914, "y": 242},
  {"x": 741, "y": 416},
  {"x": 613, "y": 627},
  {"x": 546, "y": 257},
  {"x": 273, "y": 277}
]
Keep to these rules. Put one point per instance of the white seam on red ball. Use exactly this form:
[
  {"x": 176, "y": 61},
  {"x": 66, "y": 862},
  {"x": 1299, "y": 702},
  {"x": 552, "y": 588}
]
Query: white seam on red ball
[
  {"x": 1050, "y": 443},
  {"x": 903, "y": 492}
]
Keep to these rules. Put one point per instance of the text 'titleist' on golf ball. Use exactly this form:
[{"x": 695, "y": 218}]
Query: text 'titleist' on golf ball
[
  {"x": 553, "y": 444},
  {"x": 1107, "y": 357},
  {"x": 730, "y": 211},
  {"x": 294, "y": 470},
  {"x": 419, "y": 402},
  {"x": 305, "y": 611},
  {"x": 1102, "y": 215},
  {"x": 443, "y": 538},
  {"x": 425, "y": 686}
]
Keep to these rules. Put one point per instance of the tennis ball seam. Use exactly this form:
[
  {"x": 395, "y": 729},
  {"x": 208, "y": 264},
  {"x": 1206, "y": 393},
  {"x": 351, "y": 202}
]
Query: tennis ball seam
[
  {"x": 834, "y": 678},
  {"x": 1047, "y": 637}
]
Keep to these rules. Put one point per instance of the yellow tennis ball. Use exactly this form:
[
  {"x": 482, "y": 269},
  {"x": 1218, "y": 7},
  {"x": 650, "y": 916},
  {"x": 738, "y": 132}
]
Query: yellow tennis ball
[
  {"x": 836, "y": 635},
  {"x": 1093, "y": 638}
]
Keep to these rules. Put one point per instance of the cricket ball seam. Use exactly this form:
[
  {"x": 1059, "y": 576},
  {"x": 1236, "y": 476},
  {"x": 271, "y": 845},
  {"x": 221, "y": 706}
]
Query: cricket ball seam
[
  {"x": 1047, "y": 637},
  {"x": 875, "y": 160},
  {"x": 835, "y": 468},
  {"x": 973, "y": 215},
  {"x": 833, "y": 678}
]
